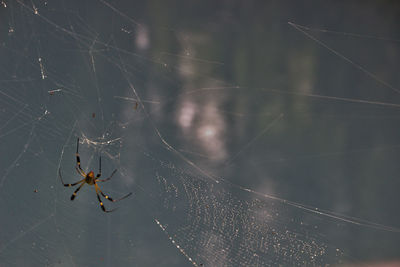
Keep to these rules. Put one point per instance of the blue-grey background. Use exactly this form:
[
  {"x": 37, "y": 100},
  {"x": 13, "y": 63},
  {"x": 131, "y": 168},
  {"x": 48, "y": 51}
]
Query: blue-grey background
[{"x": 232, "y": 128}]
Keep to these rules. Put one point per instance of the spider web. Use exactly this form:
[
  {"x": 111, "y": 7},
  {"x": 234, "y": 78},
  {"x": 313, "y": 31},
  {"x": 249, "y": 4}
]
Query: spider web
[{"x": 246, "y": 140}]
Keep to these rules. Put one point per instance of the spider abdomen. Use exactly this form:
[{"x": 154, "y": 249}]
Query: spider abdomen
[{"x": 90, "y": 178}]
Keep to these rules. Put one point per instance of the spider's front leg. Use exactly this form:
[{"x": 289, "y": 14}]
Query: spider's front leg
[
  {"x": 78, "y": 160},
  {"x": 99, "y": 174}
]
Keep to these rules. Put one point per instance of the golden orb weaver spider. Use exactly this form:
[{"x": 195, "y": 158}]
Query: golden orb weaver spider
[{"x": 91, "y": 180}]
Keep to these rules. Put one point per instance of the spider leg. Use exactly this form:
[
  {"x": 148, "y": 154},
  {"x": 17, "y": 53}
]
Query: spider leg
[
  {"x": 101, "y": 203},
  {"x": 78, "y": 159},
  {"x": 108, "y": 197},
  {"x": 76, "y": 191},
  {"x": 80, "y": 172},
  {"x": 99, "y": 174},
  {"x": 68, "y": 185},
  {"x": 104, "y": 180}
]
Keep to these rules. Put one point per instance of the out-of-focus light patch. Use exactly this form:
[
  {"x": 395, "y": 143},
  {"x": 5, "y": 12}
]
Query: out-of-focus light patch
[
  {"x": 210, "y": 132},
  {"x": 206, "y": 125},
  {"x": 142, "y": 38},
  {"x": 186, "y": 114},
  {"x": 186, "y": 68},
  {"x": 207, "y": 133}
]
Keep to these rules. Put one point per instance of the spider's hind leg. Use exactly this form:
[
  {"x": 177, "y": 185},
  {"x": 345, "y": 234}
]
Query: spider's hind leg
[
  {"x": 68, "y": 185},
  {"x": 101, "y": 202},
  {"x": 108, "y": 197},
  {"x": 78, "y": 158}
]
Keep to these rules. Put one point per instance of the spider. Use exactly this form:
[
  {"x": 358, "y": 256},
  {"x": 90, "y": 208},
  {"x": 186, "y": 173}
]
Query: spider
[{"x": 90, "y": 179}]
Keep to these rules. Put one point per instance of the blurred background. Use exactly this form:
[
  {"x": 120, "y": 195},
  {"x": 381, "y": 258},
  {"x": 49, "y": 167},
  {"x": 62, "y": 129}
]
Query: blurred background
[{"x": 251, "y": 133}]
